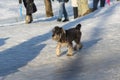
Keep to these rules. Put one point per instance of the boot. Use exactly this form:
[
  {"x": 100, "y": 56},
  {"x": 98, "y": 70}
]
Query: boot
[
  {"x": 65, "y": 20},
  {"x": 28, "y": 19}
]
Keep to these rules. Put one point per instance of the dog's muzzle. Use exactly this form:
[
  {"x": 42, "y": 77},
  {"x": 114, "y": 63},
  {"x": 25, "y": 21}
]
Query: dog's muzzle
[{"x": 56, "y": 37}]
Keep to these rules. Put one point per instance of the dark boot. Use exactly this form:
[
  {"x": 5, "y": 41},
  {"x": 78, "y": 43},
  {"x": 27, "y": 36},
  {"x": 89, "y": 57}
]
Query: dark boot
[
  {"x": 65, "y": 20},
  {"x": 75, "y": 11}
]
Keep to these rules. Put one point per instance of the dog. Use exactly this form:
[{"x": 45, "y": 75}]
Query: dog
[{"x": 66, "y": 38}]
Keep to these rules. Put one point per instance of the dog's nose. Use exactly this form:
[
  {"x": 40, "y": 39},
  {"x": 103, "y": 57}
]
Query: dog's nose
[{"x": 52, "y": 35}]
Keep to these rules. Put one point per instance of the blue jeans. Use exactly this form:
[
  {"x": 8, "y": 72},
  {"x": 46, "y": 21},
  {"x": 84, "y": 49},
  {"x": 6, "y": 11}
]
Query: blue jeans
[{"x": 62, "y": 11}]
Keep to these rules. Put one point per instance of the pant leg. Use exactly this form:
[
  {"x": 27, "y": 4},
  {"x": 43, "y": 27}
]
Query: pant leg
[
  {"x": 24, "y": 2},
  {"x": 75, "y": 12},
  {"x": 30, "y": 6},
  {"x": 60, "y": 10},
  {"x": 95, "y": 4},
  {"x": 102, "y": 3},
  {"x": 65, "y": 12}
]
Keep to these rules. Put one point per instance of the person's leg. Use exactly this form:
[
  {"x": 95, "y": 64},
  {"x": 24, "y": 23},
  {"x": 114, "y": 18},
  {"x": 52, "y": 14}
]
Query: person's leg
[
  {"x": 95, "y": 4},
  {"x": 102, "y": 3},
  {"x": 60, "y": 11},
  {"x": 25, "y": 4},
  {"x": 28, "y": 18},
  {"x": 65, "y": 13},
  {"x": 75, "y": 12}
]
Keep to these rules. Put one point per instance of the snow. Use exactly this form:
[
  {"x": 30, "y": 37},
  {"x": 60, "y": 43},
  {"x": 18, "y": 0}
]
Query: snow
[{"x": 27, "y": 51}]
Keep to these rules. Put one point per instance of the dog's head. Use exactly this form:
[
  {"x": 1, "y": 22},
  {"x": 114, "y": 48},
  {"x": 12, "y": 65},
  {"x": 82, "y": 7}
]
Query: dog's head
[{"x": 58, "y": 33}]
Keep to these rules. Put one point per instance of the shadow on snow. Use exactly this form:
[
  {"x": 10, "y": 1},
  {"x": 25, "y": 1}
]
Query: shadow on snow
[{"x": 18, "y": 56}]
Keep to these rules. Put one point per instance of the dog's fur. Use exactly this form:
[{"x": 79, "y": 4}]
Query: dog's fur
[{"x": 65, "y": 37}]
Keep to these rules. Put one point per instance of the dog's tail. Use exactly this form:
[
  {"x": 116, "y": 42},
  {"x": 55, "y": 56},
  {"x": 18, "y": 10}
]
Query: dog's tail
[{"x": 78, "y": 26}]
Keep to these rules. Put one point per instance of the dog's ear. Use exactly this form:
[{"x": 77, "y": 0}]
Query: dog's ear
[
  {"x": 55, "y": 28},
  {"x": 78, "y": 26},
  {"x": 62, "y": 35}
]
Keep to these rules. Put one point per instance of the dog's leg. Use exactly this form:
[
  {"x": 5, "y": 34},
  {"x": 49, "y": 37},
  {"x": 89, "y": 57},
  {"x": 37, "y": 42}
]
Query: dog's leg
[
  {"x": 70, "y": 50},
  {"x": 78, "y": 43},
  {"x": 58, "y": 51},
  {"x": 78, "y": 46}
]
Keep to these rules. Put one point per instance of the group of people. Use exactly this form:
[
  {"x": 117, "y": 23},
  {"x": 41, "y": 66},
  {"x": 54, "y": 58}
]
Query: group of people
[{"x": 31, "y": 8}]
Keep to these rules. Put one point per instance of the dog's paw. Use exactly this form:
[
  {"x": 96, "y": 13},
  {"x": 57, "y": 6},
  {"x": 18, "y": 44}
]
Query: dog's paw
[
  {"x": 69, "y": 54},
  {"x": 81, "y": 46},
  {"x": 58, "y": 55},
  {"x": 76, "y": 48}
]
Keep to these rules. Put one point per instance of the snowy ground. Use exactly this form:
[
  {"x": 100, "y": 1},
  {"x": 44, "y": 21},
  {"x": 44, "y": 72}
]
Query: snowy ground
[{"x": 27, "y": 51}]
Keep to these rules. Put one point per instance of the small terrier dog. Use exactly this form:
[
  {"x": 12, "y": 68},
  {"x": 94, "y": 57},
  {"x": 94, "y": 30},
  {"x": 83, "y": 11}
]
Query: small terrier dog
[{"x": 66, "y": 37}]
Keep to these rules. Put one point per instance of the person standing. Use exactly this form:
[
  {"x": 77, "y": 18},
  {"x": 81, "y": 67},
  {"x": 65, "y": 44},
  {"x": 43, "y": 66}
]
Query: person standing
[
  {"x": 30, "y": 9},
  {"x": 75, "y": 8},
  {"x": 95, "y": 4}
]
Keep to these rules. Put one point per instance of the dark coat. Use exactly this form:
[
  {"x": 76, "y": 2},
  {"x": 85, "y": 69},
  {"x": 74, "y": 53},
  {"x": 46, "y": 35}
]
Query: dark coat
[{"x": 30, "y": 6}]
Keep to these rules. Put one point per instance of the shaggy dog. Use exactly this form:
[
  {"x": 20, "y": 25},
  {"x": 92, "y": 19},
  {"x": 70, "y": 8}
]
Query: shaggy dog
[{"x": 66, "y": 37}]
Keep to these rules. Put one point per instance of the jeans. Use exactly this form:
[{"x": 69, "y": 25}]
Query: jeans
[{"x": 62, "y": 11}]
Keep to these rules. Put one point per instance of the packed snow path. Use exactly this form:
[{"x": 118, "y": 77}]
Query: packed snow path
[{"x": 27, "y": 51}]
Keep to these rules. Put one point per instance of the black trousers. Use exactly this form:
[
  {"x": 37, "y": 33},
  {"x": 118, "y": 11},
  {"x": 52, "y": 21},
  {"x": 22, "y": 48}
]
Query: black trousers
[
  {"x": 95, "y": 3},
  {"x": 30, "y": 6},
  {"x": 75, "y": 12}
]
